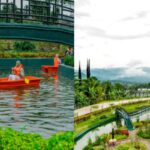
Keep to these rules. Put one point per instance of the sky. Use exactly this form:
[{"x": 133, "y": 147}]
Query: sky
[{"x": 113, "y": 33}]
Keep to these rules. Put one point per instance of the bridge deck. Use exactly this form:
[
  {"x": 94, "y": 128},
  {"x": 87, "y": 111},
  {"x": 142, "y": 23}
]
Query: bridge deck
[{"x": 53, "y": 33}]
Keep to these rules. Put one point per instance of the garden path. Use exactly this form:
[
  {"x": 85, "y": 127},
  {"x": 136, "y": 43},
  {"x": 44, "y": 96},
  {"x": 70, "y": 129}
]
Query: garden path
[{"x": 96, "y": 107}]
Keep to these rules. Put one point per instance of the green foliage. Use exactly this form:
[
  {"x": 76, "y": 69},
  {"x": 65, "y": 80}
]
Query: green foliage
[
  {"x": 89, "y": 146},
  {"x": 18, "y": 45},
  {"x": 61, "y": 141},
  {"x": 92, "y": 91},
  {"x": 69, "y": 60},
  {"x": 87, "y": 93},
  {"x": 120, "y": 136},
  {"x": 14, "y": 140},
  {"x": 24, "y": 46},
  {"x": 138, "y": 124},
  {"x": 101, "y": 141},
  {"x": 144, "y": 131},
  {"x": 28, "y": 54},
  {"x": 132, "y": 146}
]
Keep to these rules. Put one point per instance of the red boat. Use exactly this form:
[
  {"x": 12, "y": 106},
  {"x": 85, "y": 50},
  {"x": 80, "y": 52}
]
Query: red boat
[
  {"x": 50, "y": 69},
  {"x": 28, "y": 81}
]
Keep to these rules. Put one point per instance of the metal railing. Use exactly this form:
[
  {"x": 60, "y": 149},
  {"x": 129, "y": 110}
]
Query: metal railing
[{"x": 48, "y": 12}]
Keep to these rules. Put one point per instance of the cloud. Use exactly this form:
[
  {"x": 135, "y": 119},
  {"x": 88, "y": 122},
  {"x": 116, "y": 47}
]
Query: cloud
[
  {"x": 129, "y": 72},
  {"x": 139, "y": 15},
  {"x": 82, "y": 3},
  {"x": 114, "y": 35},
  {"x": 142, "y": 14},
  {"x": 82, "y": 14},
  {"x": 97, "y": 32},
  {"x": 94, "y": 31},
  {"x": 134, "y": 63}
]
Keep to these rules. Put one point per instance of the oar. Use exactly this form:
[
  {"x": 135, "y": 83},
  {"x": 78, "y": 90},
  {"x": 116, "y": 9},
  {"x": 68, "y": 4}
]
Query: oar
[{"x": 27, "y": 81}]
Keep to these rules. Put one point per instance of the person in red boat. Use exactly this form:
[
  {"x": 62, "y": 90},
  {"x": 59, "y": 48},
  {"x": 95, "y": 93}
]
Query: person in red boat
[
  {"x": 57, "y": 60},
  {"x": 17, "y": 72}
]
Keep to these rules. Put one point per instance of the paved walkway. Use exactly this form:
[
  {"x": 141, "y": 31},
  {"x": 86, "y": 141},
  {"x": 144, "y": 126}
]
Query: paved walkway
[{"x": 89, "y": 109}]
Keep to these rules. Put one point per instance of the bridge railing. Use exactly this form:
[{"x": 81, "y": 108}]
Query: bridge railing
[{"x": 49, "y": 12}]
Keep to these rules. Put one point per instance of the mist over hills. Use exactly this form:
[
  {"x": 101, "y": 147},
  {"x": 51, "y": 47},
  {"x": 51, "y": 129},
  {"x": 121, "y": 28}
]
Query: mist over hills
[{"x": 126, "y": 75}]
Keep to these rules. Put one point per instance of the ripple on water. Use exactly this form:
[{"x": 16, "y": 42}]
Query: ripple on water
[{"x": 45, "y": 110}]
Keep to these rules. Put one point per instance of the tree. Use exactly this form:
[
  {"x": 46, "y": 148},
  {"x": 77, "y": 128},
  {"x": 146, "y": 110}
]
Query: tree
[
  {"x": 79, "y": 72},
  {"x": 88, "y": 71}
]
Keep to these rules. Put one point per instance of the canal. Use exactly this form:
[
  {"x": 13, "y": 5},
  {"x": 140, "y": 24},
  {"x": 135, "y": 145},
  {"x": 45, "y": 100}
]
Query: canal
[{"x": 45, "y": 110}]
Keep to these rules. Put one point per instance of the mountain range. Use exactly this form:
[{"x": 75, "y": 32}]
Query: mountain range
[{"x": 127, "y": 75}]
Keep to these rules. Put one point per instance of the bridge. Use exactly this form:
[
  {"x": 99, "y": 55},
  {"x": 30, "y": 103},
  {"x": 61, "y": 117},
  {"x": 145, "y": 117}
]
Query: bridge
[
  {"x": 121, "y": 113},
  {"x": 39, "y": 20}
]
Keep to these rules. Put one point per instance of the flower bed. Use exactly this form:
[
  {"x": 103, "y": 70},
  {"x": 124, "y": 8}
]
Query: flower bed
[{"x": 124, "y": 132}]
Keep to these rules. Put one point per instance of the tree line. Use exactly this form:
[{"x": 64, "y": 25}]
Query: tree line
[{"x": 90, "y": 90}]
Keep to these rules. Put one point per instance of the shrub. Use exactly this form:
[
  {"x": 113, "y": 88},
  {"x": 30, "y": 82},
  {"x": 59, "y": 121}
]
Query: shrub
[
  {"x": 144, "y": 132},
  {"x": 138, "y": 124},
  {"x": 121, "y": 136},
  {"x": 10, "y": 139},
  {"x": 61, "y": 141},
  {"x": 100, "y": 142},
  {"x": 103, "y": 117},
  {"x": 37, "y": 54},
  {"x": 132, "y": 146},
  {"x": 24, "y": 46},
  {"x": 14, "y": 140},
  {"x": 69, "y": 60}
]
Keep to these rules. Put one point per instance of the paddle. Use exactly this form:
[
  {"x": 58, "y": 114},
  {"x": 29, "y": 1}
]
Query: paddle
[{"x": 27, "y": 81}]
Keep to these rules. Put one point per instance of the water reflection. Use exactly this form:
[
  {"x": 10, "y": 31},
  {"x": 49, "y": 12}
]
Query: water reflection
[{"x": 44, "y": 110}]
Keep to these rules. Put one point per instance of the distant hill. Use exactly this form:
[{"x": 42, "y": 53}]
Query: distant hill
[
  {"x": 139, "y": 79},
  {"x": 125, "y": 75}
]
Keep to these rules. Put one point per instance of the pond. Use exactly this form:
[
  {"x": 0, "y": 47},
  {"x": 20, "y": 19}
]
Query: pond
[
  {"x": 45, "y": 110},
  {"x": 106, "y": 129}
]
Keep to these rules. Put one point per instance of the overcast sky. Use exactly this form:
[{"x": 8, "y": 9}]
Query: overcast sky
[{"x": 112, "y": 33}]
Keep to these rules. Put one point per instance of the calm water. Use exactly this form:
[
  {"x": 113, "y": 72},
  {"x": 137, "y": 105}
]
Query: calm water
[
  {"x": 106, "y": 129},
  {"x": 45, "y": 110}
]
